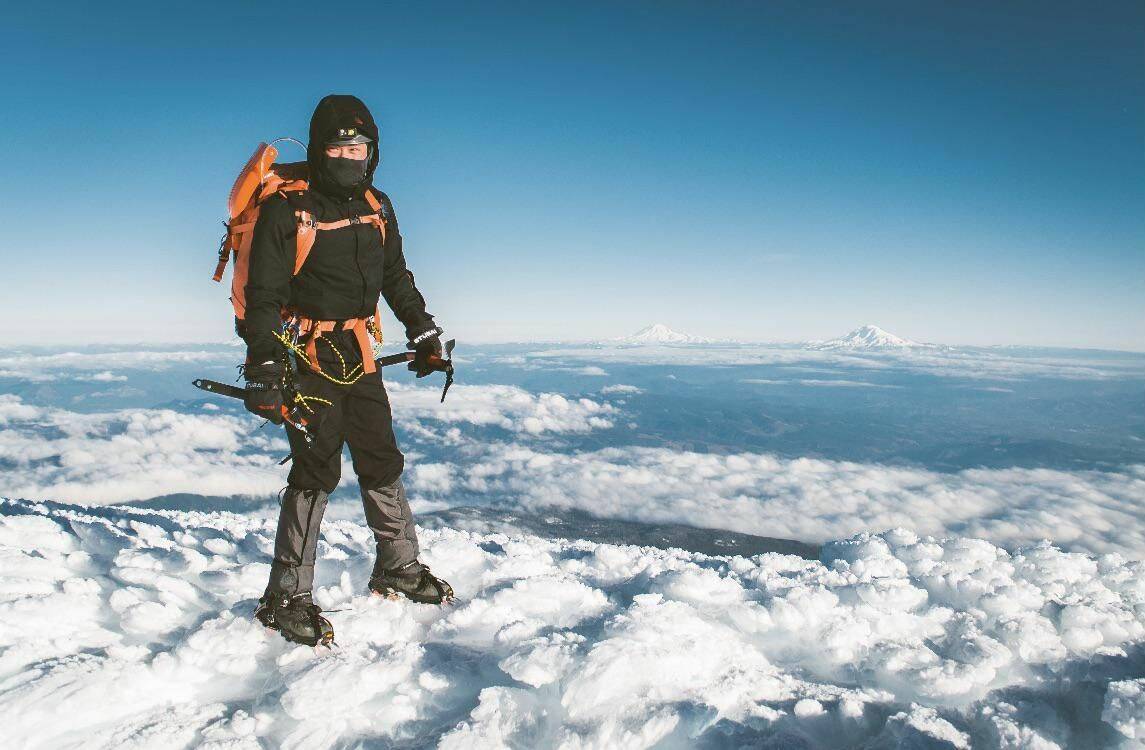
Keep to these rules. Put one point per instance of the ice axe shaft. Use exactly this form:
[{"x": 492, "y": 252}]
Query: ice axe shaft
[
  {"x": 438, "y": 363},
  {"x": 223, "y": 389},
  {"x": 291, "y": 415}
]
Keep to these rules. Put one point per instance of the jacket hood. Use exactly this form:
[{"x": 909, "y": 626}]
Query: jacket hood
[{"x": 334, "y": 112}]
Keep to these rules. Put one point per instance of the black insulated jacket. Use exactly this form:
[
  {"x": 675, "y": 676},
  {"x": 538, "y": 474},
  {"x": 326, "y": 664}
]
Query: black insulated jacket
[{"x": 348, "y": 268}]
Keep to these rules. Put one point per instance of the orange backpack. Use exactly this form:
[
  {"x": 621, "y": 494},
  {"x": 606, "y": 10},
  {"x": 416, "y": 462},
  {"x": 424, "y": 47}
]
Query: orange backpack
[{"x": 259, "y": 179}]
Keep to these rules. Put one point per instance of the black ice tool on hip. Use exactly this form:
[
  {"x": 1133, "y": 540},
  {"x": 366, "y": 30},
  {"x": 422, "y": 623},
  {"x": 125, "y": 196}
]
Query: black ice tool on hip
[{"x": 292, "y": 412}]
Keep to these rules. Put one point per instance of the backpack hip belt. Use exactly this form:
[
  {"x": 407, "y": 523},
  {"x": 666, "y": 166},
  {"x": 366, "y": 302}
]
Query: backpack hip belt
[{"x": 365, "y": 330}]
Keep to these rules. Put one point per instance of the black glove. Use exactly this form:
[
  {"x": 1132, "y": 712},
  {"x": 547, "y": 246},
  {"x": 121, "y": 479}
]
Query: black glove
[
  {"x": 264, "y": 390},
  {"x": 425, "y": 345}
]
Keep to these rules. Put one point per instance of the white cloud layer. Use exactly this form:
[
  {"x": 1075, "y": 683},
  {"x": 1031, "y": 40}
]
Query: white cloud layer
[
  {"x": 622, "y": 388},
  {"x": 138, "y": 623},
  {"x": 817, "y": 500},
  {"x": 505, "y": 406},
  {"x": 820, "y": 383},
  {"x": 51, "y": 453},
  {"x": 108, "y": 457},
  {"x": 999, "y": 364},
  {"x": 38, "y": 366}
]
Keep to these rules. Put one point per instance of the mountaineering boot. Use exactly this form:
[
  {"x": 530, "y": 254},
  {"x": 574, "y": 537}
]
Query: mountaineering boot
[
  {"x": 297, "y": 617},
  {"x": 413, "y": 581}
]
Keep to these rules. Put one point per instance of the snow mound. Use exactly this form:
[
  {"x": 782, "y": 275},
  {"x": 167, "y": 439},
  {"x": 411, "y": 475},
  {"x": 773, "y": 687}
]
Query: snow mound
[
  {"x": 129, "y": 627},
  {"x": 658, "y": 333},
  {"x": 868, "y": 337}
]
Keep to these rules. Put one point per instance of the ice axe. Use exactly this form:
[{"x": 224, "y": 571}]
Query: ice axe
[{"x": 436, "y": 363}]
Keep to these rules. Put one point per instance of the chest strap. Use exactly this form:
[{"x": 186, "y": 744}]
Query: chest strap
[{"x": 308, "y": 228}]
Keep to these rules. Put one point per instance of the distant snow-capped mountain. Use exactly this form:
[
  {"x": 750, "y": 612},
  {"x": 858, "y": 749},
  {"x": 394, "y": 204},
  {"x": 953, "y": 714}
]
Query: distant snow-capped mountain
[
  {"x": 868, "y": 337},
  {"x": 658, "y": 333}
]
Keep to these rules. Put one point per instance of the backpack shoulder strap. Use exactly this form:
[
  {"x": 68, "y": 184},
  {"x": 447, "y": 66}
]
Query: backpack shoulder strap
[
  {"x": 380, "y": 208},
  {"x": 306, "y": 226},
  {"x": 381, "y": 203}
]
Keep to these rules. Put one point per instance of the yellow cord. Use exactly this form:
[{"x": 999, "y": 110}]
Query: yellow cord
[
  {"x": 306, "y": 399},
  {"x": 301, "y": 354},
  {"x": 340, "y": 358}
]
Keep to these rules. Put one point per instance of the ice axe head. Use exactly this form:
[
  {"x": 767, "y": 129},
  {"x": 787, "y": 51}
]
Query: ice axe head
[
  {"x": 436, "y": 363},
  {"x": 445, "y": 365}
]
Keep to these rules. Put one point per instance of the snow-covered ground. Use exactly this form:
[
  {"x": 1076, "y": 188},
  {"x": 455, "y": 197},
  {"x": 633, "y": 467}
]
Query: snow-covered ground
[{"x": 125, "y": 628}]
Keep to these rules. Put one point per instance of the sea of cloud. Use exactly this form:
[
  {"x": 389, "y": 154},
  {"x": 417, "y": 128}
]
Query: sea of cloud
[{"x": 133, "y": 454}]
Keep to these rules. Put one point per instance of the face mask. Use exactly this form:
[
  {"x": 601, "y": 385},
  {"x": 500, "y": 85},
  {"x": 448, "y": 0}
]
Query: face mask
[{"x": 346, "y": 172}]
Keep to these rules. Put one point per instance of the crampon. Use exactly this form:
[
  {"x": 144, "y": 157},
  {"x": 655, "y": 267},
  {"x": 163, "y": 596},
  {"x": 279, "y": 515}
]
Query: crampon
[
  {"x": 297, "y": 618},
  {"x": 414, "y": 581}
]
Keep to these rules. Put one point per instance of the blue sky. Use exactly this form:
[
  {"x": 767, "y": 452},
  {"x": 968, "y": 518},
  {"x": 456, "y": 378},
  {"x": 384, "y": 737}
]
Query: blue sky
[{"x": 964, "y": 173}]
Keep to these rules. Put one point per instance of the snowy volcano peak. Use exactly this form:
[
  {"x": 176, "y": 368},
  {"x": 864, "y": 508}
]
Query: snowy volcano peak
[
  {"x": 873, "y": 336},
  {"x": 868, "y": 337},
  {"x": 658, "y": 333}
]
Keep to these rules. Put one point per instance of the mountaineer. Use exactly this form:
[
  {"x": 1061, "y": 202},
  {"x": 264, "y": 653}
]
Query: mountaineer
[{"x": 322, "y": 246}]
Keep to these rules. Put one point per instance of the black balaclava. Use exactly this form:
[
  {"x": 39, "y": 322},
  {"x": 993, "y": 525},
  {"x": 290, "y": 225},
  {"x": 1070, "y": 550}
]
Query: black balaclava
[{"x": 334, "y": 176}]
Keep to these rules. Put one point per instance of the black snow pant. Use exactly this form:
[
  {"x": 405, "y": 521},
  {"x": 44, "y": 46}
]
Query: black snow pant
[{"x": 358, "y": 416}]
